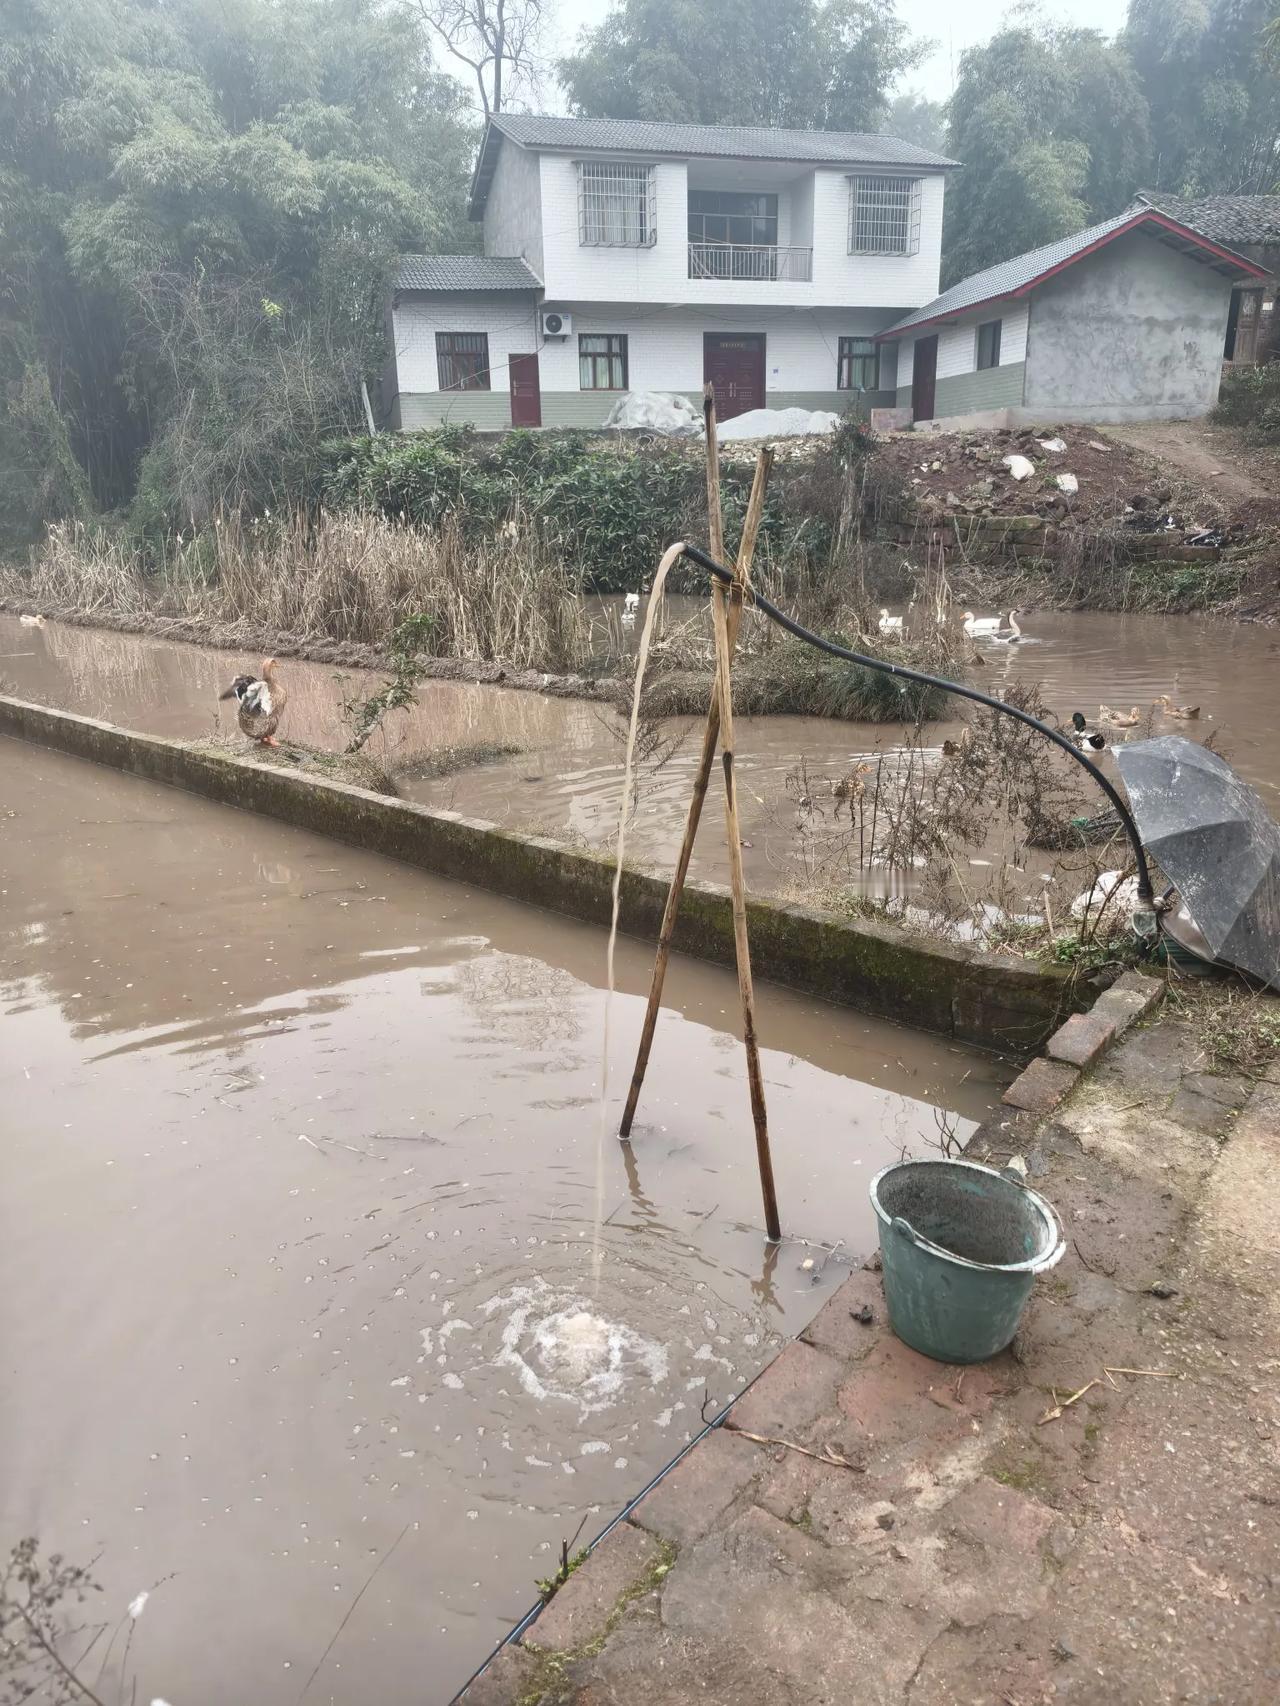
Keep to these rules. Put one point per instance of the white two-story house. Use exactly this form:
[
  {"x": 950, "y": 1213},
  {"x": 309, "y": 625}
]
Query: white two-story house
[{"x": 623, "y": 256}]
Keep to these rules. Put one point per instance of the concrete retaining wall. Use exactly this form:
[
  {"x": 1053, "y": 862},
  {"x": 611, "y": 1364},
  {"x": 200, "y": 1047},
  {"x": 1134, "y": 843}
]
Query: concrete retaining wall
[{"x": 993, "y": 1000}]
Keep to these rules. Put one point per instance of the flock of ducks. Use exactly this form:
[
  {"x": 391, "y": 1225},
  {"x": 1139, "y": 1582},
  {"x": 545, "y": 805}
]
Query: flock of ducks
[{"x": 993, "y": 628}]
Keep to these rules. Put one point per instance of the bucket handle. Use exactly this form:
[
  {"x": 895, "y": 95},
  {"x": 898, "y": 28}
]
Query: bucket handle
[{"x": 1039, "y": 1265}]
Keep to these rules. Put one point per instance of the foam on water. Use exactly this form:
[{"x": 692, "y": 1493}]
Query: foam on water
[{"x": 562, "y": 1350}]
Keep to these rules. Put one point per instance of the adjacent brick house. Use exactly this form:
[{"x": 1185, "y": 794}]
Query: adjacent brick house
[{"x": 1124, "y": 321}]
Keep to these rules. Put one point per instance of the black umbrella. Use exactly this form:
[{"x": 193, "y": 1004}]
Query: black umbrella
[{"x": 1216, "y": 842}]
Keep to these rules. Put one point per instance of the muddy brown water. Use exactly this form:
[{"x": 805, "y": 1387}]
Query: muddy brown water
[
  {"x": 296, "y": 1199},
  {"x": 564, "y": 780}
]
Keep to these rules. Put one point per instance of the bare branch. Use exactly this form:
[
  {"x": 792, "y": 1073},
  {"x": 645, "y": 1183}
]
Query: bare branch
[{"x": 497, "y": 39}]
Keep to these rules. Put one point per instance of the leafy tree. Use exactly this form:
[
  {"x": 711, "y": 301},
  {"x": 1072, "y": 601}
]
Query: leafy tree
[
  {"x": 1209, "y": 70},
  {"x": 915, "y": 118},
  {"x": 290, "y": 145},
  {"x": 813, "y": 64},
  {"x": 1050, "y": 124}
]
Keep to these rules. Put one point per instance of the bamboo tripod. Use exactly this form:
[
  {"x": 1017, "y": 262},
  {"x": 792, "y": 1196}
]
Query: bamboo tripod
[{"x": 726, "y": 610}]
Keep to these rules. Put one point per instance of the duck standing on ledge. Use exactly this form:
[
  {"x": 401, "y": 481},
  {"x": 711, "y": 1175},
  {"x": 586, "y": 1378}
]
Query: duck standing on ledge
[{"x": 261, "y": 702}]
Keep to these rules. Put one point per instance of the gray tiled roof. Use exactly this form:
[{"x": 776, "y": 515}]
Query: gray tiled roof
[
  {"x": 464, "y": 272},
  {"x": 741, "y": 142},
  {"x": 1224, "y": 218},
  {"x": 1009, "y": 277}
]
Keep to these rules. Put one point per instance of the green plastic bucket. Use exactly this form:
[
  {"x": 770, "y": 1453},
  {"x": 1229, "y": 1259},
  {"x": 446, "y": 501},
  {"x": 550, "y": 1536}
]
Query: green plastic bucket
[{"x": 960, "y": 1246}]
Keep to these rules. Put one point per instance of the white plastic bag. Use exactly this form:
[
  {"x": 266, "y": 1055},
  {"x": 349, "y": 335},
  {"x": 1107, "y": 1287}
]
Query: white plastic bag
[
  {"x": 656, "y": 411},
  {"x": 1019, "y": 466}
]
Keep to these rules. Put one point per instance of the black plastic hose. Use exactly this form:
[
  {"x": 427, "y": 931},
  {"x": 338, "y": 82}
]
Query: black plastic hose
[{"x": 1145, "y": 890}]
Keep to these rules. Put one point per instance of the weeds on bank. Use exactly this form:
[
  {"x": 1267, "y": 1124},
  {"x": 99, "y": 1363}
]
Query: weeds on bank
[
  {"x": 1238, "y": 1029},
  {"x": 897, "y": 837},
  {"x": 39, "y": 1597},
  {"x": 342, "y": 577}
]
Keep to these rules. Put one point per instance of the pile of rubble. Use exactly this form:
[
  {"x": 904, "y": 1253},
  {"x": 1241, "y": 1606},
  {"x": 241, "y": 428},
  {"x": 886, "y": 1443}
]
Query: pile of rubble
[{"x": 1064, "y": 477}]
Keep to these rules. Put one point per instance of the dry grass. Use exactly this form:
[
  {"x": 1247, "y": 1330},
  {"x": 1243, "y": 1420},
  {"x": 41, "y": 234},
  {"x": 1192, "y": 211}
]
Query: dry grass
[
  {"x": 342, "y": 577},
  {"x": 1237, "y": 1028}
]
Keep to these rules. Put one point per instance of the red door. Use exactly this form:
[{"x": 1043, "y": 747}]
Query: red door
[
  {"x": 526, "y": 393},
  {"x": 735, "y": 366},
  {"x": 924, "y": 378}
]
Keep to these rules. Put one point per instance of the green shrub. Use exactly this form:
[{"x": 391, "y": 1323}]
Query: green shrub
[
  {"x": 610, "y": 510},
  {"x": 1250, "y": 398}
]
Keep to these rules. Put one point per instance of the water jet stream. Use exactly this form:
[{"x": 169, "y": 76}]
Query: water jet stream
[{"x": 670, "y": 558}]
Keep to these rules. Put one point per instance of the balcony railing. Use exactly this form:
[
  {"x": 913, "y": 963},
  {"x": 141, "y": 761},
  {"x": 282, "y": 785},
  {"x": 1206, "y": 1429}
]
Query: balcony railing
[{"x": 765, "y": 262}]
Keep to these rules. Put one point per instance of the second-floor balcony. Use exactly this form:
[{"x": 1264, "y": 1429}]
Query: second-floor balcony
[{"x": 757, "y": 262}]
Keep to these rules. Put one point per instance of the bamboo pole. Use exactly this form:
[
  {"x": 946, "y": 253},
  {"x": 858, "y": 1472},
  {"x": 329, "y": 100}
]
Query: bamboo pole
[
  {"x": 742, "y": 946},
  {"x": 702, "y": 777}
]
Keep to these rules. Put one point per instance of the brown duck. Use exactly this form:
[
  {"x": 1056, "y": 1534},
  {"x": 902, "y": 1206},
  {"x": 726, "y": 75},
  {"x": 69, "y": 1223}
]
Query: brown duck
[{"x": 261, "y": 701}]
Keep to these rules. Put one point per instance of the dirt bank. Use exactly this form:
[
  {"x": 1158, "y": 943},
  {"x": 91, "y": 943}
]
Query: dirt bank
[{"x": 1170, "y": 516}]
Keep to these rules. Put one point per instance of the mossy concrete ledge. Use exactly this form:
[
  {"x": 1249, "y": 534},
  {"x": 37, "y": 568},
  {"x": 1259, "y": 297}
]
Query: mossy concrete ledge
[{"x": 994, "y": 1000}]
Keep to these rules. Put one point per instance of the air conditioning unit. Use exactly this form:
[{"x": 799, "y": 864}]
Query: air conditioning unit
[{"x": 556, "y": 324}]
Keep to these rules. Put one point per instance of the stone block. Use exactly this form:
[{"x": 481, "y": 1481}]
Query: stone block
[
  {"x": 701, "y": 1487},
  {"x": 842, "y": 1326},
  {"x": 582, "y": 1607},
  {"x": 1041, "y": 1087},
  {"x": 1083, "y": 1038},
  {"x": 1151, "y": 989},
  {"x": 897, "y": 1394},
  {"x": 796, "y": 1389}
]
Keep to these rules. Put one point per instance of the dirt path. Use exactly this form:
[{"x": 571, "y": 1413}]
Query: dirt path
[{"x": 1208, "y": 454}]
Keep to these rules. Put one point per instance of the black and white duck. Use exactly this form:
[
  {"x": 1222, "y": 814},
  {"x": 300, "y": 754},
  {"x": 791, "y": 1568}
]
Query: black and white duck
[{"x": 261, "y": 700}]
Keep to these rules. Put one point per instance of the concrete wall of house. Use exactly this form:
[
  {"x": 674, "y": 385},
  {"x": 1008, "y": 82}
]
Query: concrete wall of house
[
  {"x": 813, "y": 211},
  {"x": 1134, "y": 332},
  {"x": 513, "y": 211},
  {"x": 509, "y": 319},
  {"x": 664, "y": 353}
]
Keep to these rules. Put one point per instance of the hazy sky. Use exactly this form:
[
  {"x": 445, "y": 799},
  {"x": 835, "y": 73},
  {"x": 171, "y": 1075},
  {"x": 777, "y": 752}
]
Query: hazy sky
[{"x": 952, "y": 28}]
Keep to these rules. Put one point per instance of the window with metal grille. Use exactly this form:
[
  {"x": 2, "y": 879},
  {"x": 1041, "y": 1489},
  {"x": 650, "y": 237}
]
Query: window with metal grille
[
  {"x": 858, "y": 365},
  {"x": 884, "y": 216},
  {"x": 462, "y": 360},
  {"x": 616, "y": 204},
  {"x": 602, "y": 361},
  {"x": 989, "y": 344}
]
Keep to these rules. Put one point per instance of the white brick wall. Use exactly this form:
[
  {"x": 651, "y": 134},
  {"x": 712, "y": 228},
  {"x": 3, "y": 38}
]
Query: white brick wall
[
  {"x": 510, "y": 322},
  {"x": 513, "y": 210},
  {"x": 958, "y": 341},
  {"x": 820, "y": 203}
]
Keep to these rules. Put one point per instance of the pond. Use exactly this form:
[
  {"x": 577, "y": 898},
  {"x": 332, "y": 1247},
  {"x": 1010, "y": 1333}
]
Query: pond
[{"x": 299, "y": 1205}]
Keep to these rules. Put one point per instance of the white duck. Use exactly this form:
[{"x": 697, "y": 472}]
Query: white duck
[
  {"x": 891, "y": 624},
  {"x": 32, "y": 621},
  {"x": 987, "y": 625}
]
